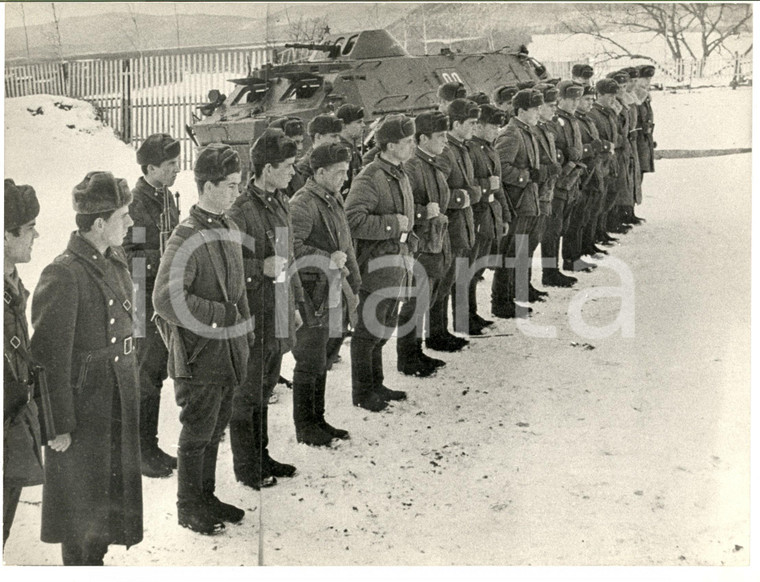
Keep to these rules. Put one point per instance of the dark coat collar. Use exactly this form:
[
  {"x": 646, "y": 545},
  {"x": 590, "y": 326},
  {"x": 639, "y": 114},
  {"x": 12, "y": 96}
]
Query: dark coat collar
[{"x": 91, "y": 256}]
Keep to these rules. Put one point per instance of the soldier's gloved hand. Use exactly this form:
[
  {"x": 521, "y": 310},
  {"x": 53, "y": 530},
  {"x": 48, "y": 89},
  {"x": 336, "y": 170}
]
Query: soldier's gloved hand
[
  {"x": 403, "y": 222},
  {"x": 433, "y": 210},
  {"x": 338, "y": 260},
  {"x": 60, "y": 443},
  {"x": 466, "y": 195},
  {"x": 231, "y": 314},
  {"x": 535, "y": 175},
  {"x": 274, "y": 266},
  {"x": 298, "y": 319},
  {"x": 494, "y": 182},
  {"x": 505, "y": 229}
]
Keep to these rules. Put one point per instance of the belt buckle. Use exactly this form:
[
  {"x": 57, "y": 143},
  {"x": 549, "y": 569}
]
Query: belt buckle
[
  {"x": 128, "y": 345},
  {"x": 403, "y": 237}
]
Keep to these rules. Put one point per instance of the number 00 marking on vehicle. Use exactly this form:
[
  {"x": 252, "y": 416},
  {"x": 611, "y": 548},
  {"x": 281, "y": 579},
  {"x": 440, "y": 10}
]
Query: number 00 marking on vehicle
[{"x": 451, "y": 77}]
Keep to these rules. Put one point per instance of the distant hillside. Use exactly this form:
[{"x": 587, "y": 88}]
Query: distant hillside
[{"x": 117, "y": 32}]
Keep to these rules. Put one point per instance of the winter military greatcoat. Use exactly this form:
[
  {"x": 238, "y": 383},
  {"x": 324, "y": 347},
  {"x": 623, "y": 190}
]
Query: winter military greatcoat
[
  {"x": 518, "y": 155},
  {"x": 492, "y": 211},
  {"x": 82, "y": 319},
  {"x": 427, "y": 177},
  {"x": 461, "y": 179},
  {"x": 320, "y": 228},
  {"x": 210, "y": 287},
  {"x": 378, "y": 194},
  {"x": 567, "y": 134},
  {"x": 265, "y": 218},
  {"x": 22, "y": 457}
]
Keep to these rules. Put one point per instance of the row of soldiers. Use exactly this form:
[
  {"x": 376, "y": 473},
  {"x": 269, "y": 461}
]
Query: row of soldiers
[{"x": 315, "y": 245}]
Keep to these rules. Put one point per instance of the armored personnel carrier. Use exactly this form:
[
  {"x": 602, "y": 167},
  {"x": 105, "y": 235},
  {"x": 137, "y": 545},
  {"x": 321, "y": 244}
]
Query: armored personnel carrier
[{"x": 367, "y": 68}]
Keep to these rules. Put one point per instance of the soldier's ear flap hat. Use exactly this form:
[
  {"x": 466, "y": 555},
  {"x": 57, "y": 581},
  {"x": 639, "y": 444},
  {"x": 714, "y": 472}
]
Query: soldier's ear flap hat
[
  {"x": 100, "y": 192},
  {"x": 622, "y": 77},
  {"x": 504, "y": 94},
  {"x": 292, "y": 126},
  {"x": 492, "y": 115},
  {"x": 21, "y": 204},
  {"x": 394, "y": 129},
  {"x": 569, "y": 90},
  {"x": 272, "y": 147},
  {"x": 646, "y": 71},
  {"x": 633, "y": 72},
  {"x": 527, "y": 99},
  {"x": 583, "y": 70},
  {"x": 328, "y": 154},
  {"x": 431, "y": 122},
  {"x": 607, "y": 87},
  {"x": 548, "y": 91},
  {"x": 348, "y": 113},
  {"x": 215, "y": 162},
  {"x": 451, "y": 91},
  {"x": 525, "y": 85},
  {"x": 479, "y": 98},
  {"x": 324, "y": 124},
  {"x": 462, "y": 109},
  {"x": 156, "y": 149}
]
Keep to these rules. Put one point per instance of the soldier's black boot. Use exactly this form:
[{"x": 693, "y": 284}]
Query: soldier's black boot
[
  {"x": 246, "y": 455},
  {"x": 319, "y": 409},
  {"x": 362, "y": 393},
  {"x": 435, "y": 362},
  {"x": 192, "y": 511},
  {"x": 270, "y": 467},
  {"x": 408, "y": 359},
  {"x": 308, "y": 429},
  {"x": 378, "y": 387},
  {"x": 152, "y": 463},
  {"x": 218, "y": 509}
]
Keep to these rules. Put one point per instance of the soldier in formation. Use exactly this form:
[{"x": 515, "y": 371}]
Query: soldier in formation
[
  {"x": 83, "y": 319},
  {"x": 262, "y": 213},
  {"x": 201, "y": 299},
  {"x": 155, "y": 214},
  {"x": 22, "y": 438}
]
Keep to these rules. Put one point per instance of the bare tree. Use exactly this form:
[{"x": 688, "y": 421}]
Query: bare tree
[
  {"x": 176, "y": 22},
  {"x": 57, "y": 38},
  {"x": 136, "y": 41},
  {"x": 26, "y": 33},
  {"x": 715, "y": 23}
]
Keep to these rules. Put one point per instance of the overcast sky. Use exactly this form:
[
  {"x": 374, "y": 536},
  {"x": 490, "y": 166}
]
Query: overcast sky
[{"x": 41, "y": 12}]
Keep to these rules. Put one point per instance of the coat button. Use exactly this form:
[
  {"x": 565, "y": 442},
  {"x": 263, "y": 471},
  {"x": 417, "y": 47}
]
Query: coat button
[
  {"x": 95, "y": 257},
  {"x": 387, "y": 228},
  {"x": 248, "y": 280},
  {"x": 213, "y": 325},
  {"x": 113, "y": 340},
  {"x": 116, "y": 359},
  {"x": 110, "y": 302},
  {"x": 112, "y": 321}
]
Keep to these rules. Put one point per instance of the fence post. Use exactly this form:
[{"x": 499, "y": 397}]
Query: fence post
[{"x": 126, "y": 101}]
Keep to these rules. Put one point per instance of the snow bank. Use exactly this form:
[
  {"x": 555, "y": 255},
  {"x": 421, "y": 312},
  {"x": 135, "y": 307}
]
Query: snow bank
[{"x": 51, "y": 142}]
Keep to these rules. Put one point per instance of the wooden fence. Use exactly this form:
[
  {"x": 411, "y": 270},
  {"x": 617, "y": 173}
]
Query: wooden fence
[
  {"x": 141, "y": 95},
  {"x": 138, "y": 96}
]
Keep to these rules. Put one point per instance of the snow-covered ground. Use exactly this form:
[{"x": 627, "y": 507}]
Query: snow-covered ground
[{"x": 523, "y": 450}]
